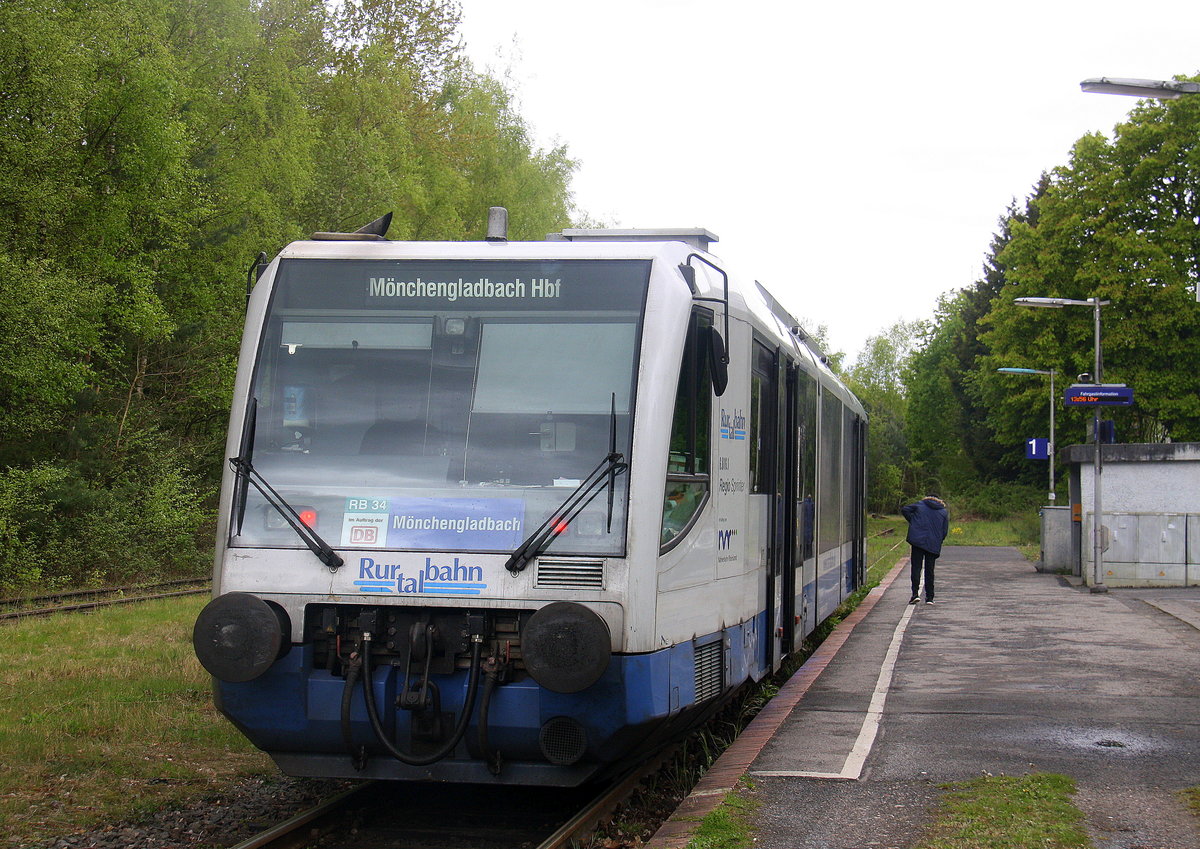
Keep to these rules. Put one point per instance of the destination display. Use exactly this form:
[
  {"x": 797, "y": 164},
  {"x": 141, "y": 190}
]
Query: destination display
[
  {"x": 1098, "y": 395},
  {"x": 467, "y": 285}
]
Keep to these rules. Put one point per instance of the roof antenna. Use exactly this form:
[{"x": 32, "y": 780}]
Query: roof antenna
[
  {"x": 497, "y": 225},
  {"x": 378, "y": 227},
  {"x": 372, "y": 232}
]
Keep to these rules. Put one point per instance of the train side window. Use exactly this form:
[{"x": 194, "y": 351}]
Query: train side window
[
  {"x": 762, "y": 421},
  {"x": 829, "y": 510},
  {"x": 687, "y": 483}
]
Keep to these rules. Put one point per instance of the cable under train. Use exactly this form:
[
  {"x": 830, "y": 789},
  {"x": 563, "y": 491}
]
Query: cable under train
[{"x": 518, "y": 512}]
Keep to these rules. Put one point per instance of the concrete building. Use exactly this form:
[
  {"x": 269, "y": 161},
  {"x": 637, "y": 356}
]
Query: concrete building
[{"x": 1151, "y": 501}]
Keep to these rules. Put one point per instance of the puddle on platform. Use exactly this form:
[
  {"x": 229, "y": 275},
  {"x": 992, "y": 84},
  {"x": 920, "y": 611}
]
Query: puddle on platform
[{"x": 1109, "y": 742}]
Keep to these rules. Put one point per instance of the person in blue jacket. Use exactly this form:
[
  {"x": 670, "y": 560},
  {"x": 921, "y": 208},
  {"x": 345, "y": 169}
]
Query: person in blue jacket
[{"x": 928, "y": 524}]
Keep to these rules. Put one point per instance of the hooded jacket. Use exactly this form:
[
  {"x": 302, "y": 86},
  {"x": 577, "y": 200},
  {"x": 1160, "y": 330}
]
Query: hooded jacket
[{"x": 928, "y": 523}]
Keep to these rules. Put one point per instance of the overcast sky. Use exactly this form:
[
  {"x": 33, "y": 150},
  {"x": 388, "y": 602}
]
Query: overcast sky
[{"x": 852, "y": 156}]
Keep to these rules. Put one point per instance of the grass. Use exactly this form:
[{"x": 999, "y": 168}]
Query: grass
[
  {"x": 1022, "y": 532},
  {"x": 107, "y": 716},
  {"x": 992, "y": 812},
  {"x": 728, "y": 826},
  {"x": 1009, "y": 812},
  {"x": 884, "y": 550},
  {"x": 1191, "y": 798}
]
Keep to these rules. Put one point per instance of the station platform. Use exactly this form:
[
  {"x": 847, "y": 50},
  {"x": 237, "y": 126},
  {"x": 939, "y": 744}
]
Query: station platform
[{"x": 1010, "y": 671}]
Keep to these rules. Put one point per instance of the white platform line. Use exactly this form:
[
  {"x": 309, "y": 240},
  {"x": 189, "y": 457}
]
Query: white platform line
[
  {"x": 853, "y": 767},
  {"x": 866, "y": 738}
]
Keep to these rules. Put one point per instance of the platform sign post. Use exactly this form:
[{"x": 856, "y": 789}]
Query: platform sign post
[
  {"x": 1095, "y": 302},
  {"x": 1097, "y": 395}
]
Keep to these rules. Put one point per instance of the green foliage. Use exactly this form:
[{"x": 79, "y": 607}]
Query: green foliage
[
  {"x": 1009, "y": 812},
  {"x": 57, "y": 527},
  {"x": 148, "y": 150},
  {"x": 875, "y": 378},
  {"x": 1191, "y": 798},
  {"x": 885, "y": 487},
  {"x": 45, "y": 322},
  {"x": 996, "y": 500},
  {"x": 1020, "y": 530},
  {"x": 1119, "y": 222},
  {"x": 728, "y": 826},
  {"x": 26, "y": 507}
]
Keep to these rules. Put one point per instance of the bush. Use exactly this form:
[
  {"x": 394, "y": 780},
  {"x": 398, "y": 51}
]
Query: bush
[
  {"x": 26, "y": 514},
  {"x": 58, "y": 528},
  {"x": 884, "y": 489},
  {"x": 996, "y": 500}
]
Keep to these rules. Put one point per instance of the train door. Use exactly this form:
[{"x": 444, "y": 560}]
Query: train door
[
  {"x": 859, "y": 489},
  {"x": 803, "y": 468},
  {"x": 790, "y": 449},
  {"x": 765, "y": 497}
]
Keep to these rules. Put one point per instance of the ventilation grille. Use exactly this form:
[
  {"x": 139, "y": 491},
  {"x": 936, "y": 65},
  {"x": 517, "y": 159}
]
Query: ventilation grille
[
  {"x": 571, "y": 574},
  {"x": 563, "y": 741},
  {"x": 710, "y": 669}
]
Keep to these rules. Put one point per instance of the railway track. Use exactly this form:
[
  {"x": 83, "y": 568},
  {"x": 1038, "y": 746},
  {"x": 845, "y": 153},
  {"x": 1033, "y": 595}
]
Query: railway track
[
  {"x": 81, "y": 600},
  {"x": 389, "y": 815}
]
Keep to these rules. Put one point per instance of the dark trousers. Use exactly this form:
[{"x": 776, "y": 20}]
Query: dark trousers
[{"x": 922, "y": 559}]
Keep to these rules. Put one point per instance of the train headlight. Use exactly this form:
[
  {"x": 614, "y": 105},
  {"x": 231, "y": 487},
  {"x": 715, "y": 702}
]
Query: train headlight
[
  {"x": 238, "y": 636},
  {"x": 566, "y": 647}
]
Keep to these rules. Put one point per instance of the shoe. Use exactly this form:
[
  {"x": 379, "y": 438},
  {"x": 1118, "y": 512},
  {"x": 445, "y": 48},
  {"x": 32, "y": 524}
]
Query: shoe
[
  {"x": 914, "y": 599},
  {"x": 929, "y": 601}
]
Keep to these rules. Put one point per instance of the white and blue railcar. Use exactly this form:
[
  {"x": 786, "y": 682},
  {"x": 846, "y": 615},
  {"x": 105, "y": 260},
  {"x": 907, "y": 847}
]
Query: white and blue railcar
[{"x": 519, "y": 511}]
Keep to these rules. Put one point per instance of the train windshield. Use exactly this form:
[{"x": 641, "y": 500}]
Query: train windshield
[{"x": 444, "y": 405}]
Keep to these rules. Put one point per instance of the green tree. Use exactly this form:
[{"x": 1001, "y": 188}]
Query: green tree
[
  {"x": 1118, "y": 222},
  {"x": 148, "y": 150},
  {"x": 935, "y": 417},
  {"x": 876, "y": 378}
]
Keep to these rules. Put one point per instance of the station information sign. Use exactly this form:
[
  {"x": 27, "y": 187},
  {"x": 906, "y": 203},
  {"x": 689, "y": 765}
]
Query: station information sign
[{"x": 1098, "y": 395}]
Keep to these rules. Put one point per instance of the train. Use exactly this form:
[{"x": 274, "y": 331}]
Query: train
[{"x": 519, "y": 511}]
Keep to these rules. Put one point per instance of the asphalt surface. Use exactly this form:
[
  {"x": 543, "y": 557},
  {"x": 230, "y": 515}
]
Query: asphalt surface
[{"x": 1011, "y": 671}]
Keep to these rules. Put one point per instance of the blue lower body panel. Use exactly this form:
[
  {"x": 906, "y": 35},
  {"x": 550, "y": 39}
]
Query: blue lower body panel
[{"x": 294, "y": 712}]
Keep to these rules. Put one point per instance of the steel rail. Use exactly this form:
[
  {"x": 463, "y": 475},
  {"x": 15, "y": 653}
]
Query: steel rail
[
  {"x": 93, "y": 605},
  {"x": 277, "y": 833},
  {"x": 584, "y": 822},
  {"x": 26, "y": 601}
]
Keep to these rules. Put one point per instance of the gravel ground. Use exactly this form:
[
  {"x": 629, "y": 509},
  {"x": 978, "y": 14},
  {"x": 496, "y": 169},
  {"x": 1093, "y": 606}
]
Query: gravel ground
[{"x": 217, "y": 820}]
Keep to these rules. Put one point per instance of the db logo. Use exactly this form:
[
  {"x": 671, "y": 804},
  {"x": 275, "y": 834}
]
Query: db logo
[{"x": 364, "y": 535}]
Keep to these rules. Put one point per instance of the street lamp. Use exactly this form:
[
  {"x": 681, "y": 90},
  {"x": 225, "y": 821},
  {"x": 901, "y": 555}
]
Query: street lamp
[
  {"x": 1157, "y": 89},
  {"x": 1050, "y": 448},
  {"x": 1097, "y": 377}
]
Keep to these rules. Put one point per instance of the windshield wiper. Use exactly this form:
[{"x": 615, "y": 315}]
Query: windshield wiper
[
  {"x": 604, "y": 475},
  {"x": 247, "y": 474}
]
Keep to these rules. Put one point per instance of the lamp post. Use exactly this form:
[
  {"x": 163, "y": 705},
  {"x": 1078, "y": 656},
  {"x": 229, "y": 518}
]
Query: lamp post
[
  {"x": 1097, "y": 537},
  {"x": 1050, "y": 451}
]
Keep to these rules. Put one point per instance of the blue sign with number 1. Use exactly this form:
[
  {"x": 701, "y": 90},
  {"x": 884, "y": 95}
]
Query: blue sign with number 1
[{"x": 1037, "y": 449}]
